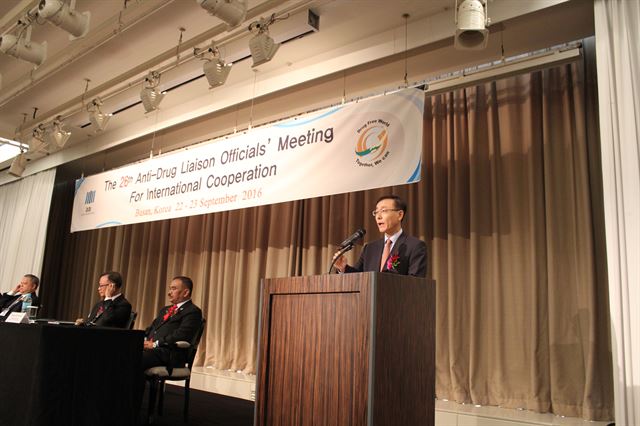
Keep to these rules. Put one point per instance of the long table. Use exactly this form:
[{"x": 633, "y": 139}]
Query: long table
[{"x": 66, "y": 375}]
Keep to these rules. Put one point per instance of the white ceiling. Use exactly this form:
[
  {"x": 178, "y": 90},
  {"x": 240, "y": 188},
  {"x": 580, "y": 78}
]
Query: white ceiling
[
  {"x": 158, "y": 32},
  {"x": 124, "y": 43}
]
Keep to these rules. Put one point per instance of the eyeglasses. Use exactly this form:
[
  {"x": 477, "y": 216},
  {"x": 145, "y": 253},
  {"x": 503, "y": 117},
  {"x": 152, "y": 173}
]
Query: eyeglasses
[
  {"x": 102, "y": 285},
  {"x": 383, "y": 211}
]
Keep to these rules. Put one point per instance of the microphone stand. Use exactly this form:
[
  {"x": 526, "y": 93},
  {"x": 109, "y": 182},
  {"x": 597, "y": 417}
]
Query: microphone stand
[{"x": 342, "y": 251}]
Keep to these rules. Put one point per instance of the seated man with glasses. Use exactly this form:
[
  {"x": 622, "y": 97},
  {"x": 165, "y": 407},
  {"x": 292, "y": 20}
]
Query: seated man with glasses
[
  {"x": 114, "y": 310},
  {"x": 397, "y": 252}
]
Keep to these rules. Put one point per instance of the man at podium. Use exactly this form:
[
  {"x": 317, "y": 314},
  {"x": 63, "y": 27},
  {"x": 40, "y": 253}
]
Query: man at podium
[{"x": 396, "y": 252}]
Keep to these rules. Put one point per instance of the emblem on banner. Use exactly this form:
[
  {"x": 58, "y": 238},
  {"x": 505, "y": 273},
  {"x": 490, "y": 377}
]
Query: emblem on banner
[
  {"x": 372, "y": 146},
  {"x": 89, "y": 198}
]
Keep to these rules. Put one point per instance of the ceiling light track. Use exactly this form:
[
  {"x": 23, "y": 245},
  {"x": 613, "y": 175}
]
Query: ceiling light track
[
  {"x": 197, "y": 54},
  {"x": 166, "y": 61},
  {"x": 524, "y": 63},
  {"x": 107, "y": 31}
]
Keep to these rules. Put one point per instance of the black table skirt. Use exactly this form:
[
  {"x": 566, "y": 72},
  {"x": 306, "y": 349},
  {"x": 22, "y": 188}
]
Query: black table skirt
[{"x": 66, "y": 375}]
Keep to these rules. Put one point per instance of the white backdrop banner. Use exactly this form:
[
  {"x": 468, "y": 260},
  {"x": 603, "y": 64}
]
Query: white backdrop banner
[{"x": 357, "y": 146}]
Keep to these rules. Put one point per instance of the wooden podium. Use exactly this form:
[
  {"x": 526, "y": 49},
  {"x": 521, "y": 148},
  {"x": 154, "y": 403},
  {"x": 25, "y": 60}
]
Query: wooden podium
[{"x": 348, "y": 349}]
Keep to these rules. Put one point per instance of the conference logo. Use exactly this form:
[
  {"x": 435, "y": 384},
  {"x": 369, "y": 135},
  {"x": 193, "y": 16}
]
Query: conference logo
[
  {"x": 372, "y": 146},
  {"x": 89, "y": 198}
]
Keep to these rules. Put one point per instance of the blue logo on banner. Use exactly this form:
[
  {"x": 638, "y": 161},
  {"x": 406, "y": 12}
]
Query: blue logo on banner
[{"x": 90, "y": 197}]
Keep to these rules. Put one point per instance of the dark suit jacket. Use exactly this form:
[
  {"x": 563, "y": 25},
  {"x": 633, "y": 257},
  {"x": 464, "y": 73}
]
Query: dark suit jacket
[
  {"x": 116, "y": 313},
  {"x": 7, "y": 300},
  {"x": 411, "y": 252},
  {"x": 183, "y": 325}
]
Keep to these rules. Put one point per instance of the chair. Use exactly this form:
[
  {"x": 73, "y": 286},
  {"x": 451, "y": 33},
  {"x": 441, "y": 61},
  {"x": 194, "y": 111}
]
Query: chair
[
  {"x": 157, "y": 376},
  {"x": 132, "y": 320}
]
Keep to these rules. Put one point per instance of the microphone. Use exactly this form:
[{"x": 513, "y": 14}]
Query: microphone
[
  {"x": 353, "y": 238},
  {"x": 347, "y": 245}
]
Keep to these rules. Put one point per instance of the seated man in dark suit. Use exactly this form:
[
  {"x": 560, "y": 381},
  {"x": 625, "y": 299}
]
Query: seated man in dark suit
[
  {"x": 11, "y": 301},
  {"x": 178, "y": 321},
  {"x": 114, "y": 310},
  {"x": 397, "y": 252}
]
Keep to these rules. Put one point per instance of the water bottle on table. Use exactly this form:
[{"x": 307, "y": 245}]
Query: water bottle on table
[{"x": 26, "y": 302}]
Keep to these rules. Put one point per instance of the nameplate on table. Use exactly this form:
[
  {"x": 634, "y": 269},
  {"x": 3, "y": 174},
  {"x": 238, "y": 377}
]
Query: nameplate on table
[{"x": 18, "y": 318}]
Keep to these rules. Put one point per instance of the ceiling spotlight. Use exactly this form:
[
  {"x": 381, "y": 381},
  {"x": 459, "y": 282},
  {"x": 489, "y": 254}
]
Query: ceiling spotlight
[
  {"x": 471, "y": 25},
  {"x": 150, "y": 95},
  {"x": 232, "y": 12},
  {"x": 23, "y": 48},
  {"x": 262, "y": 46},
  {"x": 64, "y": 16},
  {"x": 38, "y": 143},
  {"x": 96, "y": 116},
  {"x": 215, "y": 69},
  {"x": 151, "y": 98},
  {"x": 18, "y": 165},
  {"x": 57, "y": 134}
]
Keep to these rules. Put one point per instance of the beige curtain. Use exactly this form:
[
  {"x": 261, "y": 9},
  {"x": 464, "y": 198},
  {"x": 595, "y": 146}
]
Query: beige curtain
[
  {"x": 24, "y": 210},
  {"x": 508, "y": 203},
  {"x": 522, "y": 316}
]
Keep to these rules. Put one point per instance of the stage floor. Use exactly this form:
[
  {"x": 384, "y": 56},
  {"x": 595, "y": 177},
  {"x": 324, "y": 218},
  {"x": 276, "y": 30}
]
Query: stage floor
[{"x": 448, "y": 413}]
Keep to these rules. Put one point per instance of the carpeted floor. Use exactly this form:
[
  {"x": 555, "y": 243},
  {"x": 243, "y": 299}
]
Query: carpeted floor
[{"x": 205, "y": 409}]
